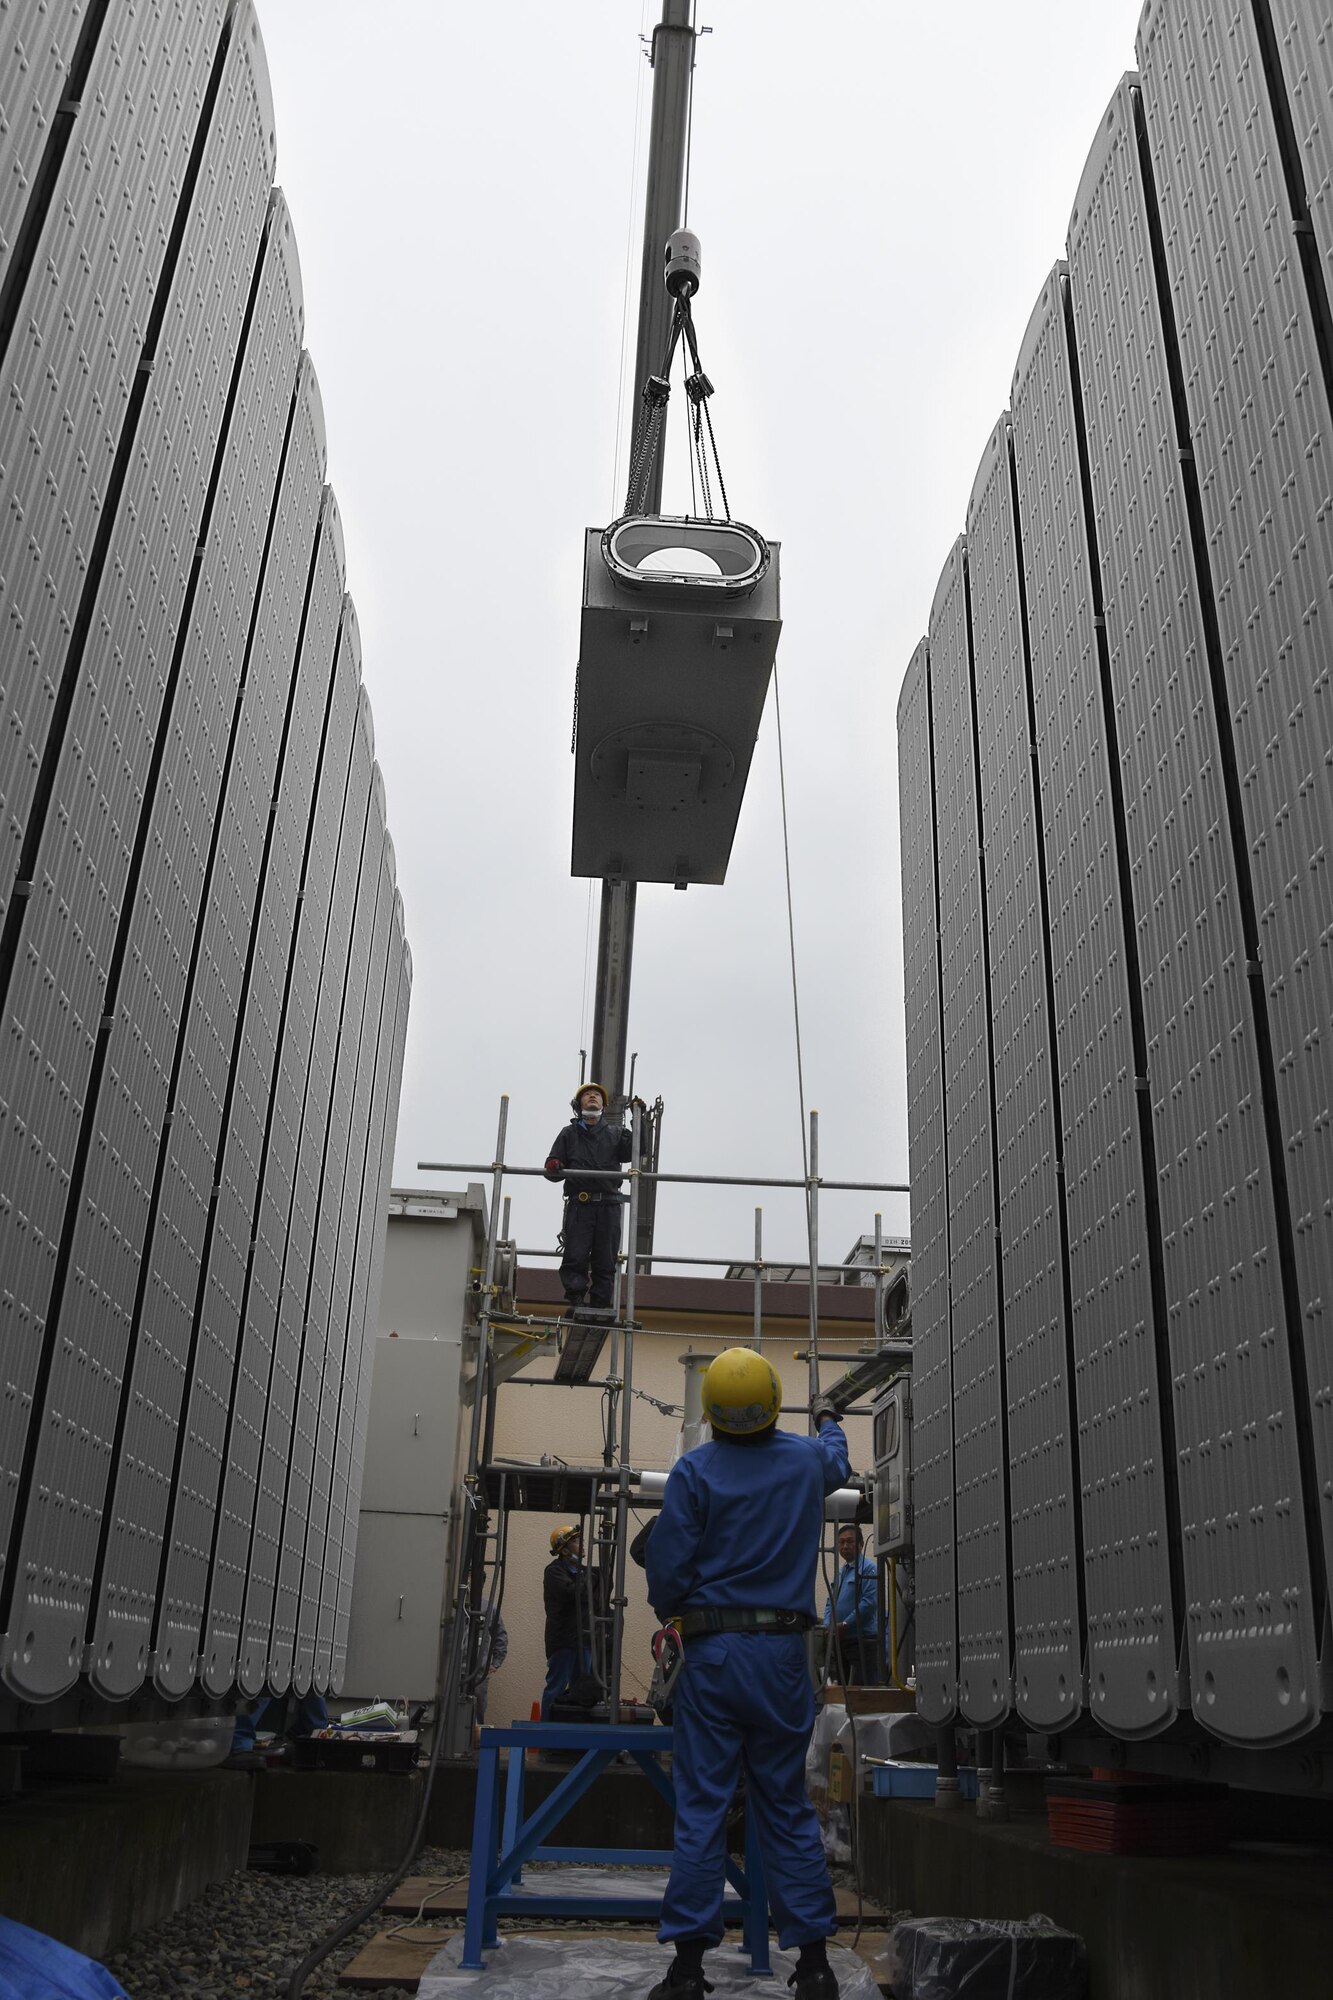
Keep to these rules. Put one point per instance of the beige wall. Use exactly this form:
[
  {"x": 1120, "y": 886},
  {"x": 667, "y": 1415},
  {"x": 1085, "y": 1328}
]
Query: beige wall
[{"x": 566, "y": 1422}]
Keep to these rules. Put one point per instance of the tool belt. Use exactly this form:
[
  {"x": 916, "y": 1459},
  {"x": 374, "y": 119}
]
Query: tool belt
[
  {"x": 739, "y": 1618},
  {"x": 585, "y": 1195}
]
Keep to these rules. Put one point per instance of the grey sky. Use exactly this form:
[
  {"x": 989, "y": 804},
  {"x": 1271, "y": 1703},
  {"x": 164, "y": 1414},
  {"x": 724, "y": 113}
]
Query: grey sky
[{"x": 880, "y": 192}]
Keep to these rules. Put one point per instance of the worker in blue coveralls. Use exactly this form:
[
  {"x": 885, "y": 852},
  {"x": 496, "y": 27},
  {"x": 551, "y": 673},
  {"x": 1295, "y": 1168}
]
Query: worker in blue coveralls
[
  {"x": 853, "y": 1608},
  {"x": 564, "y": 1600},
  {"x": 733, "y": 1559}
]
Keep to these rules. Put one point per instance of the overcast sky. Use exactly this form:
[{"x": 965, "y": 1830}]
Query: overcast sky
[{"x": 880, "y": 191}]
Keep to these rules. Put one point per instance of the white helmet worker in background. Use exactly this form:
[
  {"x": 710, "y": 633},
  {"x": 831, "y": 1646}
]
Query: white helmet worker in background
[{"x": 733, "y": 1557}]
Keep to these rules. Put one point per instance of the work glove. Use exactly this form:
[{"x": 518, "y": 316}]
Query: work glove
[{"x": 824, "y": 1410}]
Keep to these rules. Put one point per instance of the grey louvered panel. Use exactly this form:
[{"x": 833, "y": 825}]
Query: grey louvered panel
[
  {"x": 232, "y": 1225},
  {"x": 1262, "y": 435},
  {"x": 1132, "y": 1681},
  {"x": 269, "y": 1508},
  {"x": 259, "y": 1319},
  {"x": 347, "y": 1321},
  {"x": 345, "y": 1511},
  {"x": 1304, "y": 30},
  {"x": 87, "y": 864},
  {"x": 1252, "y": 1644},
  {"x": 984, "y": 1647},
  {"x": 38, "y": 39},
  {"x": 932, "y": 1494},
  {"x": 220, "y": 743},
  {"x": 181, "y": 1222},
  {"x": 318, "y": 1303},
  {"x": 1043, "y": 1508},
  {"x": 64, "y": 396},
  {"x": 60, "y": 419}
]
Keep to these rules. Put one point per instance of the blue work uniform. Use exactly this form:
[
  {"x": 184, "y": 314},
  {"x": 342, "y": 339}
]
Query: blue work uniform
[
  {"x": 740, "y": 1527},
  {"x": 854, "y": 1603}
]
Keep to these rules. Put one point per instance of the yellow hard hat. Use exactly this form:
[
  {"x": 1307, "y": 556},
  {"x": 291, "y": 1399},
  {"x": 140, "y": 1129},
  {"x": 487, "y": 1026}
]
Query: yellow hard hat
[
  {"x": 741, "y": 1391},
  {"x": 561, "y": 1537},
  {"x": 576, "y": 1101}
]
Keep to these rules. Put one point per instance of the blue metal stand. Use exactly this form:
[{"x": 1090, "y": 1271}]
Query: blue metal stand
[{"x": 499, "y": 1852}]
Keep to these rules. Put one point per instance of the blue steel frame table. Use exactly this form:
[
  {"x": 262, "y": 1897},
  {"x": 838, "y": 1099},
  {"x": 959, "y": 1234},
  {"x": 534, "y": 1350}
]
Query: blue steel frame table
[{"x": 498, "y": 1854}]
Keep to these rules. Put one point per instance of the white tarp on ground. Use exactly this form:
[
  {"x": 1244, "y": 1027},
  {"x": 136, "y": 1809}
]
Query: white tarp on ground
[
  {"x": 566, "y": 1968},
  {"x": 544, "y": 1880}
]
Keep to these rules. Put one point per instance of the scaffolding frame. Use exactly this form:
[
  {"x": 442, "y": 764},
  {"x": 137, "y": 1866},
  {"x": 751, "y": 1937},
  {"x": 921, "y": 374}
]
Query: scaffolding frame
[{"x": 496, "y": 1488}]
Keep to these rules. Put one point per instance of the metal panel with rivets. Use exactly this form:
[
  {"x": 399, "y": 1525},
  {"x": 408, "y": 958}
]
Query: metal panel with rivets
[
  {"x": 253, "y": 1058},
  {"x": 932, "y": 1496},
  {"x": 40, "y": 48},
  {"x": 1232, "y": 197},
  {"x": 981, "y": 1504},
  {"x": 262, "y": 1285},
  {"x": 1303, "y": 34},
  {"x": 335, "y": 1256},
  {"x": 348, "y": 913},
  {"x": 214, "y": 768},
  {"x": 155, "y": 1458},
  {"x": 86, "y": 925},
  {"x": 1125, "y": 1475},
  {"x": 346, "y": 1509},
  {"x": 64, "y": 398},
  {"x": 363, "y": 1302},
  {"x": 1044, "y": 1503},
  {"x": 1252, "y": 1642},
  {"x": 67, "y": 447}
]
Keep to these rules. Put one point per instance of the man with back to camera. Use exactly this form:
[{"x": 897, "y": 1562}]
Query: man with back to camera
[
  {"x": 590, "y": 1234},
  {"x": 733, "y": 1557}
]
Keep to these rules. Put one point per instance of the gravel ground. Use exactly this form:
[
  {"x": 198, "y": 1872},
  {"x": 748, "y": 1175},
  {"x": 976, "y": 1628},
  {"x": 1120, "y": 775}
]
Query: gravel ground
[{"x": 243, "y": 1937}]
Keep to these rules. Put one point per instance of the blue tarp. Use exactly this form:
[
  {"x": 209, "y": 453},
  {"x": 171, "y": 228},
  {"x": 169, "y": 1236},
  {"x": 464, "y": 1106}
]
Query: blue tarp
[{"x": 35, "y": 1967}]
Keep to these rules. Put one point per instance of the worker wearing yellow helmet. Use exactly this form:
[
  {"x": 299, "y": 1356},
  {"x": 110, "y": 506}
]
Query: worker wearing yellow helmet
[
  {"x": 585, "y": 1154},
  {"x": 564, "y": 1600},
  {"x": 733, "y": 1558}
]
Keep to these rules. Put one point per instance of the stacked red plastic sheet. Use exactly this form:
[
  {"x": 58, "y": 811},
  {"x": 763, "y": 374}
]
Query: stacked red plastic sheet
[{"x": 1146, "y": 1816}]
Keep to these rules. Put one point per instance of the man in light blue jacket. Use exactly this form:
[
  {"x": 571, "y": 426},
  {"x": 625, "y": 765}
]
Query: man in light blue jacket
[
  {"x": 853, "y": 1608},
  {"x": 733, "y": 1559}
]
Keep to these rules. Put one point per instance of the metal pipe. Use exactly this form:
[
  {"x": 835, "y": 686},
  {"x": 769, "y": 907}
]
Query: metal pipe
[
  {"x": 488, "y": 1280},
  {"x": 768, "y": 1274},
  {"x": 812, "y": 1224},
  {"x": 683, "y": 1180},
  {"x": 879, "y": 1278},
  {"x": 622, "y": 1485},
  {"x": 947, "y": 1795},
  {"x": 615, "y": 961},
  {"x": 672, "y": 61},
  {"x": 759, "y": 1277},
  {"x": 894, "y": 1674}
]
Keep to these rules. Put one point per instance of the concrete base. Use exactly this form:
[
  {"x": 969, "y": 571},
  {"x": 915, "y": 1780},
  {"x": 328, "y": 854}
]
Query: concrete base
[
  {"x": 92, "y": 1864},
  {"x": 360, "y": 1821},
  {"x": 1257, "y": 1920}
]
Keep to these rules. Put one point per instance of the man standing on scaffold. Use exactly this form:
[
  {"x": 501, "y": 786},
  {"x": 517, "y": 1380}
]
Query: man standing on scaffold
[
  {"x": 732, "y": 1561},
  {"x": 590, "y": 1236}
]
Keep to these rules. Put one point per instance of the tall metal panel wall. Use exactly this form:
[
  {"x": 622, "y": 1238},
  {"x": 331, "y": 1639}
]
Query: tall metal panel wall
[
  {"x": 1303, "y": 31},
  {"x": 258, "y": 1317},
  {"x": 68, "y": 409},
  {"x": 1252, "y": 1640},
  {"x": 981, "y": 1504},
  {"x": 316, "y": 1306},
  {"x": 1249, "y": 320},
  {"x": 1127, "y": 1479},
  {"x": 936, "y": 1616},
  {"x": 176, "y": 889},
  {"x": 346, "y": 1511},
  {"x": 232, "y": 1218},
  {"x": 351, "y": 1260},
  {"x": 335, "y": 972},
  {"x": 1043, "y": 1501}
]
